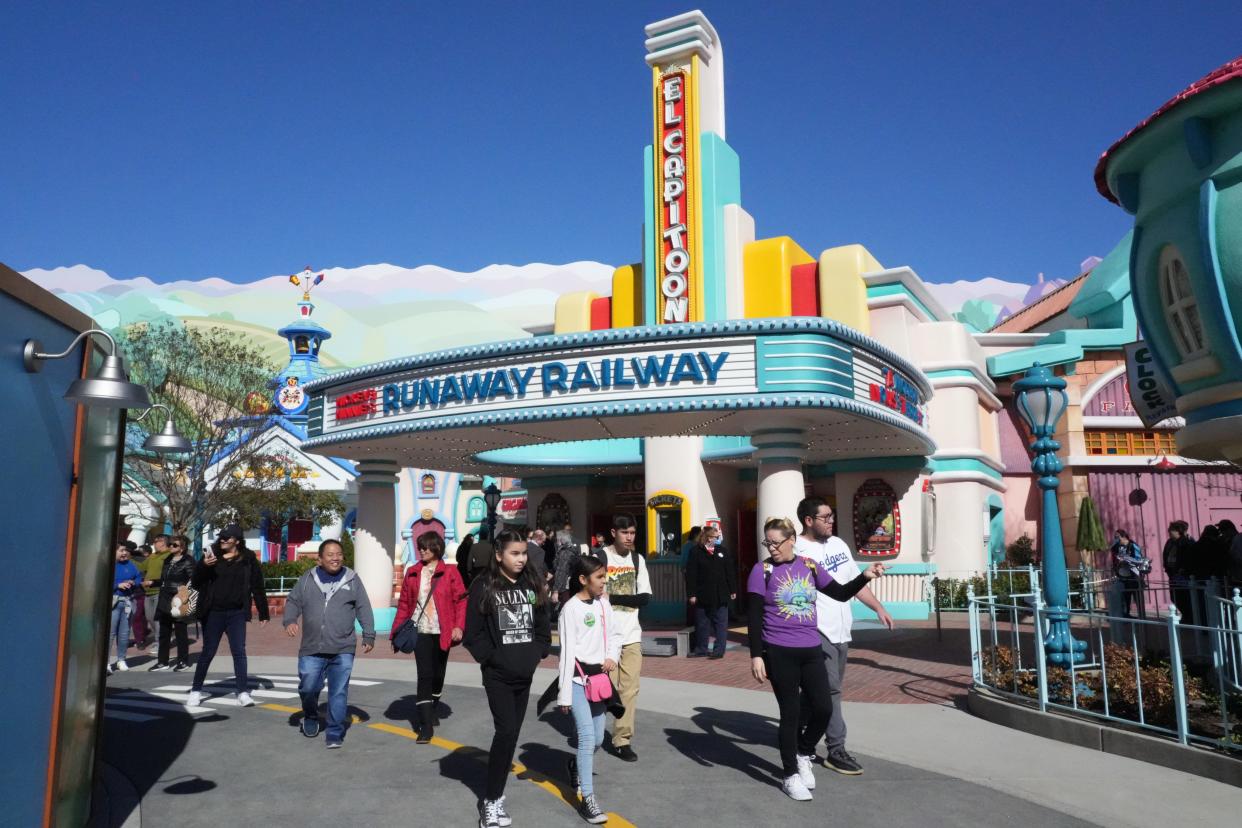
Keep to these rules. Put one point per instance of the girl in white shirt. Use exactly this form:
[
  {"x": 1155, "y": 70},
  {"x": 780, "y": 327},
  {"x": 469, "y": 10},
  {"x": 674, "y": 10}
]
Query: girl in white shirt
[{"x": 590, "y": 644}]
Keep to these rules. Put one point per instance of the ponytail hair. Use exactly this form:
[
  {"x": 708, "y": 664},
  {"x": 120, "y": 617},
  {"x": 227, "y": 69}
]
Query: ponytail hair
[
  {"x": 584, "y": 566},
  {"x": 494, "y": 580}
]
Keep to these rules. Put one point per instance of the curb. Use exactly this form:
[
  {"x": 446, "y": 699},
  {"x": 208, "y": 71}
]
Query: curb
[{"x": 1105, "y": 738}]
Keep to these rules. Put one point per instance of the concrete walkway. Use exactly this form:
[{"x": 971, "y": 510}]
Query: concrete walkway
[{"x": 707, "y": 757}]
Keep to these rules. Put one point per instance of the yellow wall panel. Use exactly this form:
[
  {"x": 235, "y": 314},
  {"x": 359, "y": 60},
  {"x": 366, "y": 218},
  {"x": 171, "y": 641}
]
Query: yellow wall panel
[
  {"x": 842, "y": 292},
  {"x": 627, "y": 296},
  {"x": 765, "y": 270},
  {"x": 573, "y": 312}
]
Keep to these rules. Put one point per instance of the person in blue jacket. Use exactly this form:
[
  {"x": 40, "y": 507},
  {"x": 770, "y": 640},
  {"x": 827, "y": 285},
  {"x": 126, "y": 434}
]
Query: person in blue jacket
[
  {"x": 1129, "y": 566},
  {"x": 126, "y": 582}
]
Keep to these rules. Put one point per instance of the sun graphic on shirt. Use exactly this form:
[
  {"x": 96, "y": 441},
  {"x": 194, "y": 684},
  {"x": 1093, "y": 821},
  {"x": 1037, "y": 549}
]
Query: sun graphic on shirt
[{"x": 795, "y": 598}]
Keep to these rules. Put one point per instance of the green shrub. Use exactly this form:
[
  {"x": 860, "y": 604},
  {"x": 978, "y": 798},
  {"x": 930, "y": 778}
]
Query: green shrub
[{"x": 1021, "y": 552}]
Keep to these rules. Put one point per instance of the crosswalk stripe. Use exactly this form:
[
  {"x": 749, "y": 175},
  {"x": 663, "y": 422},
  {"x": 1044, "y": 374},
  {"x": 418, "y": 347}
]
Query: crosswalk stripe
[
  {"x": 122, "y": 701},
  {"x": 353, "y": 681}
]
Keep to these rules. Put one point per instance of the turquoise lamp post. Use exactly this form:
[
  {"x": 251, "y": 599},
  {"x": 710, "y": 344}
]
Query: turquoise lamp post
[{"x": 1041, "y": 400}]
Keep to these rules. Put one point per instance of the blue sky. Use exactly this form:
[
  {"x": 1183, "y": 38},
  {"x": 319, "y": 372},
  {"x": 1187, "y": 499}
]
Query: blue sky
[{"x": 246, "y": 139}]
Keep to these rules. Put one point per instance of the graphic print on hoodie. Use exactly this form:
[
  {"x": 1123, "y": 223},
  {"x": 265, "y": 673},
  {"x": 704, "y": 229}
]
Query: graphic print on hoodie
[{"x": 516, "y": 616}]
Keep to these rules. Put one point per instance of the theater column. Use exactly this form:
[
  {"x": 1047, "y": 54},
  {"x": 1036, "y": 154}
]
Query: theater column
[
  {"x": 780, "y": 452},
  {"x": 375, "y": 537}
]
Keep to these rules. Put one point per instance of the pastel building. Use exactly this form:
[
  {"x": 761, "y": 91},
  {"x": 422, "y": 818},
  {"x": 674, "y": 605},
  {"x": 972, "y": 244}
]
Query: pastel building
[{"x": 724, "y": 377}]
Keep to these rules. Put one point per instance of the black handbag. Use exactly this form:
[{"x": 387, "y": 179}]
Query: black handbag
[{"x": 404, "y": 639}]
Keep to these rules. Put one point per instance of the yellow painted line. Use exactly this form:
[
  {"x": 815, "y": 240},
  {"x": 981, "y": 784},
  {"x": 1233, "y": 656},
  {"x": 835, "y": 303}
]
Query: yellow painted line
[
  {"x": 521, "y": 771},
  {"x": 284, "y": 708}
]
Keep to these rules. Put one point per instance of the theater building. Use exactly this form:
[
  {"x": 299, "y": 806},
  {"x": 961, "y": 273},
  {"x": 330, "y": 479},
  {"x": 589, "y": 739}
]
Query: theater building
[{"x": 724, "y": 377}]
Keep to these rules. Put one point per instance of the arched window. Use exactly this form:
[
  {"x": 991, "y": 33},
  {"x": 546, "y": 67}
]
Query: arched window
[{"x": 1181, "y": 310}]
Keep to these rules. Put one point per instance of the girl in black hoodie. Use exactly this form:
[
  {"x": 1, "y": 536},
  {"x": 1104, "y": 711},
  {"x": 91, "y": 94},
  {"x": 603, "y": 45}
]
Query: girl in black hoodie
[{"x": 508, "y": 632}]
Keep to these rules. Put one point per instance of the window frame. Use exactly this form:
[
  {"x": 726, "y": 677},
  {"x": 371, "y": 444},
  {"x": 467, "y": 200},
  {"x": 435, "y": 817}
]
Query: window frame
[{"x": 1181, "y": 306}]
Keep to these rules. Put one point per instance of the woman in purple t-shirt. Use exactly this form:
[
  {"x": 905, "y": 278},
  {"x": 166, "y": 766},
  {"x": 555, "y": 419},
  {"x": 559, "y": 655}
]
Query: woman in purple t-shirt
[{"x": 784, "y": 643}]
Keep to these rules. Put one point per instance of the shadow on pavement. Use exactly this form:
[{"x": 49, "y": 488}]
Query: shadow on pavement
[
  {"x": 405, "y": 709},
  {"x": 467, "y": 765},
  {"x": 951, "y": 691},
  {"x": 722, "y": 739},
  {"x": 143, "y": 759}
]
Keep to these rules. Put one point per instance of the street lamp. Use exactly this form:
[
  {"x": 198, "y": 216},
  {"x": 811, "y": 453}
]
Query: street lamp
[
  {"x": 1041, "y": 400},
  {"x": 110, "y": 388},
  {"x": 168, "y": 441},
  {"x": 491, "y": 497}
]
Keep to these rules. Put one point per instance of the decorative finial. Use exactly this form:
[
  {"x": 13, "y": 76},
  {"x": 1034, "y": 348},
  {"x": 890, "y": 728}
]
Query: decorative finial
[{"x": 306, "y": 281}]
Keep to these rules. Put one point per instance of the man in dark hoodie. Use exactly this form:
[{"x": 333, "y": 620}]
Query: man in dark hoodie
[{"x": 328, "y": 599}]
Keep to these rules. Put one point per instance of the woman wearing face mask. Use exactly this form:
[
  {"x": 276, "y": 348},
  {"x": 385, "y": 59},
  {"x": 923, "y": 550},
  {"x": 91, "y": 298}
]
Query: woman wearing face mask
[
  {"x": 228, "y": 578},
  {"x": 784, "y": 644},
  {"x": 126, "y": 582},
  {"x": 508, "y": 633},
  {"x": 432, "y": 593},
  {"x": 176, "y": 572}
]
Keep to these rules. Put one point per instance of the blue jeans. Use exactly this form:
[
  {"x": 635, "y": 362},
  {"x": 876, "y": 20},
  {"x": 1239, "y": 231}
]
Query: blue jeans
[
  {"x": 589, "y": 722},
  {"x": 312, "y": 670},
  {"x": 707, "y": 622},
  {"x": 119, "y": 628}
]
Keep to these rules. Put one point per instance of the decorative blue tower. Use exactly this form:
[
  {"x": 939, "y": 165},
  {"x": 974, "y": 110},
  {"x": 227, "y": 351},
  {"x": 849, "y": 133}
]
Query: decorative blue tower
[{"x": 305, "y": 337}]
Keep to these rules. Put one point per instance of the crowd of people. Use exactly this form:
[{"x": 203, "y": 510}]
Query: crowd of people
[
  {"x": 1192, "y": 567},
  {"x": 501, "y": 602}
]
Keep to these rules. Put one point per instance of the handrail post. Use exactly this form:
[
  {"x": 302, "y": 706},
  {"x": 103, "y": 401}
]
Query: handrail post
[
  {"x": 976, "y": 656},
  {"x": 1041, "y": 669},
  {"x": 1179, "y": 680}
]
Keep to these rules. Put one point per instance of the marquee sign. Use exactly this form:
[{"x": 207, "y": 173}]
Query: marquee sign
[
  {"x": 675, "y": 168},
  {"x": 887, "y": 387}
]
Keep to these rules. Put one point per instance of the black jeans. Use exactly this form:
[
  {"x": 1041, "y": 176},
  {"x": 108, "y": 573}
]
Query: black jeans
[
  {"x": 168, "y": 626},
  {"x": 216, "y": 625},
  {"x": 1132, "y": 594},
  {"x": 432, "y": 663},
  {"x": 797, "y": 674},
  {"x": 709, "y": 623},
  {"x": 508, "y": 703}
]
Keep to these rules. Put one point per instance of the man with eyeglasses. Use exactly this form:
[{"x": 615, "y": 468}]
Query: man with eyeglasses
[
  {"x": 151, "y": 568},
  {"x": 835, "y": 620}
]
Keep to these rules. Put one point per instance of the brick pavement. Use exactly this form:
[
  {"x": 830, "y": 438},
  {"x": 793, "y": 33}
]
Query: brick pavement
[{"x": 907, "y": 666}]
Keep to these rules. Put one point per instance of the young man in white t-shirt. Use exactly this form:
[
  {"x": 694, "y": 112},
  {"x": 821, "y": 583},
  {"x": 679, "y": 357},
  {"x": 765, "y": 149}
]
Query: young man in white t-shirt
[
  {"x": 629, "y": 589},
  {"x": 835, "y": 618}
]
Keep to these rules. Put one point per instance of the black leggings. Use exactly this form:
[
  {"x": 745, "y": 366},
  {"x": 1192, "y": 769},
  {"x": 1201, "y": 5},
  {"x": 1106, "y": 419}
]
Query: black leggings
[
  {"x": 508, "y": 704},
  {"x": 168, "y": 626},
  {"x": 798, "y": 676},
  {"x": 432, "y": 663}
]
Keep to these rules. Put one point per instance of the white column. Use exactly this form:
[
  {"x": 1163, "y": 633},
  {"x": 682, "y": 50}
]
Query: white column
[
  {"x": 780, "y": 453},
  {"x": 138, "y": 529},
  {"x": 375, "y": 538}
]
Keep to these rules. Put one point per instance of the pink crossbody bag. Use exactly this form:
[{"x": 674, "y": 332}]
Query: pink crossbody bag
[{"x": 598, "y": 687}]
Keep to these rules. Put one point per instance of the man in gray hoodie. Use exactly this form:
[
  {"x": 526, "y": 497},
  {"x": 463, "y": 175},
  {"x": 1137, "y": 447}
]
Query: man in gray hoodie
[{"x": 328, "y": 599}]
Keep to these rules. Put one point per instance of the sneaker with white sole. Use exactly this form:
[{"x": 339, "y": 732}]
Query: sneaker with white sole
[
  {"x": 122, "y": 666},
  {"x": 159, "y": 668},
  {"x": 111, "y": 669},
  {"x": 245, "y": 699},
  {"x": 180, "y": 666},
  {"x": 194, "y": 698},
  {"x": 502, "y": 816},
  {"x": 489, "y": 814},
  {"x": 841, "y": 761},
  {"x": 804, "y": 771},
  {"x": 795, "y": 790},
  {"x": 591, "y": 812}
]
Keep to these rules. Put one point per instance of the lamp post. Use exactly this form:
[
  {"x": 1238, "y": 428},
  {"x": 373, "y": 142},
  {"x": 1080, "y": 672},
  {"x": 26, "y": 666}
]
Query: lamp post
[
  {"x": 491, "y": 497},
  {"x": 1041, "y": 400}
]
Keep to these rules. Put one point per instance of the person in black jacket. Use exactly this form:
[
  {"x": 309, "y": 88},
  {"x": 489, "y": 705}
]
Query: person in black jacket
[
  {"x": 228, "y": 578},
  {"x": 176, "y": 572},
  {"x": 508, "y": 632},
  {"x": 711, "y": 583},
  {"x": 1178, "y": 559}
]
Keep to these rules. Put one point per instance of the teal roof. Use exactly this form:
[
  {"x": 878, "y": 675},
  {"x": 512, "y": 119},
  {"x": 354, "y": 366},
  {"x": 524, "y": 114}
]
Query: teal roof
[{"x": 1108, "y": 282}]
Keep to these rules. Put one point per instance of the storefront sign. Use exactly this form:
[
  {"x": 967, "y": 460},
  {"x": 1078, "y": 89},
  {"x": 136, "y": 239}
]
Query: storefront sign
[
  {"x": 877, "y": 519},
  {"x": 1153, "y": 400},
  {"x": 897, "y": 393},
  {"x": 358, "y": 404},
  {"x": 664, "y": 501},
  {"x": 512, "y": 508},
  {"x": 674, "y": 179}
]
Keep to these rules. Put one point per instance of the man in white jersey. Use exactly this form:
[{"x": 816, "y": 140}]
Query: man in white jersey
[{"x": 835, "y": 618}]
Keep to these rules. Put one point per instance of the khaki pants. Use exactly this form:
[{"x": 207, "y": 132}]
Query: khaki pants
[{"x": 625, "y": 677}]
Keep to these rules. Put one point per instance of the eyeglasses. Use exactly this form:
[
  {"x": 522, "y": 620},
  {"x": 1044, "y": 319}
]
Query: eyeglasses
[
  {"x": 769, "y": 544},
  {"x": 176, "y": 546},
  {"x": 828, "y": 518}
]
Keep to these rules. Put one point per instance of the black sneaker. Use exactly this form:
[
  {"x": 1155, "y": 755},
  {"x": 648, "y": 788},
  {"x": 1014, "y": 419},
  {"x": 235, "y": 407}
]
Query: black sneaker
[
  {"x": 180, "y": 666},
  {"x": 693, "y": 654},
  {"x": 424, "y": 735},
  {"x": 571, "y": 765},
  {"x": 591, "y": 812},
  {"x": 626, "y": 754},
  {"x": 159, "y": 668},
  {"x": 310, "y": 727},
  {"x": 840, "y": 761}
]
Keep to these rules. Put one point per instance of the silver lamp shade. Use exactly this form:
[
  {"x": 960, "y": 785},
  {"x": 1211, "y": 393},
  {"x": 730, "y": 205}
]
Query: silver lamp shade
[
  {"x": 167, "y": 441},
  {"x": 110, "y": 388}
]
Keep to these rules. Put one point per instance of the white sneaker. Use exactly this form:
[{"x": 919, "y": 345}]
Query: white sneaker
[
  {"x": 795, "y": 790},
  {"x": 805, "y": 773},
  {"x": 502, "y": 816},
  {"x": 489, "y": 816},
  {"x": 194, "y": 698},
  {"x": 122, "y": 666},
  {"x": 245, "y": 700}
]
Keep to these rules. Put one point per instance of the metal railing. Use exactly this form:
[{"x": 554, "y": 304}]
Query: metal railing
[
  {"x": 1137, "y": 672},
  {"x": 279, "y": 586}
]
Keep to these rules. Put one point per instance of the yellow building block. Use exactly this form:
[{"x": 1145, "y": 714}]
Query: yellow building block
[
  {"x": 627, "y": 296},
  {"x": 573, "y": 312},
  {"x": 765, "y": 271},
  {"x": 842, "y": 292}
]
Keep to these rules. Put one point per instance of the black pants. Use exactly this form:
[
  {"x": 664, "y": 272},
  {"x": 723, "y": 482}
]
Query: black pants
[
  {"x": 1132, "y": 594},
  {"x": 508, "y": 703},
  {"x": 216, "y": 625},
  {"x": 168, "y": 626},
  {"x": 798, "y": 674},
  {"x": 432, "y": 663}
]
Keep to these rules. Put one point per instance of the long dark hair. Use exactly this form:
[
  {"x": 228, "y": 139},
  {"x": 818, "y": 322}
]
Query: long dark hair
[
  {"x": 584, "y": 565},
  {"x": 243, "y": 551},
  {"x": 494, "y": 580}
]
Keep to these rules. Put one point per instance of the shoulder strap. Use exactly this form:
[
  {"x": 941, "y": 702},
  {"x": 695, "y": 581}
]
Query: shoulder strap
[{"x": 767, "y": 572}]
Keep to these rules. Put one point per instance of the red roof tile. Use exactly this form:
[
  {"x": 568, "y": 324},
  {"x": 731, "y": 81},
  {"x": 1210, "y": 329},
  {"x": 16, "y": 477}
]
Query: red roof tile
[
  {"x": 1230, "y": 71},
  {"x": 1042, "y": 309}
]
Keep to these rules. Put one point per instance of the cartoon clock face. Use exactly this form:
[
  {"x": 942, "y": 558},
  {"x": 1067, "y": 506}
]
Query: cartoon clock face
[{"x": 290, "y": 397}]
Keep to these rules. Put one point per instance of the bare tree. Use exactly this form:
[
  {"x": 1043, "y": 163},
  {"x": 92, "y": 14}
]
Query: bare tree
[{"x": 204, "y": 376}]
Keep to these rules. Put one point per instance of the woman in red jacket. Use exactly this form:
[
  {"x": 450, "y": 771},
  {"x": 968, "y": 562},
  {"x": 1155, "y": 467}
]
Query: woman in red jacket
[{"x": 432, "y": 594}]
